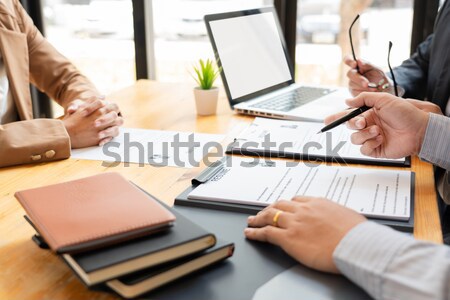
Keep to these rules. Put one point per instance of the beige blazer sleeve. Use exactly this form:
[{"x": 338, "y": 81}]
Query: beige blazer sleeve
[
  {"x": 33, "y": 141},
  {"x": 31, "y": 58}
]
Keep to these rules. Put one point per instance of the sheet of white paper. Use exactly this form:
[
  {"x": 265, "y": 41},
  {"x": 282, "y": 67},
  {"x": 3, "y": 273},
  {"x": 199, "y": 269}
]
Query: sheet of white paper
[
  {"x": 302, "y": 137},
  {"x": 372, "y": 192},
  {"x": 155, "y": 147}
]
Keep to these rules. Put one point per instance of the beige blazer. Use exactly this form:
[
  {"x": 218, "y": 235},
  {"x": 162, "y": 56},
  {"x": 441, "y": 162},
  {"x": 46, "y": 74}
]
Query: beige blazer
[{"x": 29, "y": 57}]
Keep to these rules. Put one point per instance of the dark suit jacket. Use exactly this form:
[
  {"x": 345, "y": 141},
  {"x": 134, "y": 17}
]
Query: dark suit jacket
[{"x": 426, "y": 74}]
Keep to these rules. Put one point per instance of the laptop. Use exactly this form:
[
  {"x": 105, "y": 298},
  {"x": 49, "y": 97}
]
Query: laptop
[{"x": 257, "y": 73}]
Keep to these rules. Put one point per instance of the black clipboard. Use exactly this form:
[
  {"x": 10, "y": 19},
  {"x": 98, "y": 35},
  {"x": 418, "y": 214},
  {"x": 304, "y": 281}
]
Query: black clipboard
[
  {"x": 233, "y": 149},
  {"x": 216, "y": 167}
]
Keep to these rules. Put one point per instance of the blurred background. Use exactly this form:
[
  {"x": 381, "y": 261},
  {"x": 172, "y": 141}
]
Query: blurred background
[{"x": 98, "y": 36}]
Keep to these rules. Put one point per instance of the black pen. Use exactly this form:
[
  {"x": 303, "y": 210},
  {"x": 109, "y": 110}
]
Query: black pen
[{"x": 345, "y": 118}]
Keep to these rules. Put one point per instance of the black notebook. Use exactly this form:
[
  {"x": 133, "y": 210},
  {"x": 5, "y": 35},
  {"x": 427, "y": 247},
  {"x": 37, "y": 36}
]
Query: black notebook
[
  {"x": 183, "y": 239},
  {"x": 146, "y": 280},
  {"x": 299, "y": 140}
]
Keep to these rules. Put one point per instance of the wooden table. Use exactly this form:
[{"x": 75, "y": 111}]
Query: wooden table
[{"x": 27, "y": 272}]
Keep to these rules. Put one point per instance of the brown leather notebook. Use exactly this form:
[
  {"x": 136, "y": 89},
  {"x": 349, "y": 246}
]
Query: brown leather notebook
[{"x": 92, "y": 212}]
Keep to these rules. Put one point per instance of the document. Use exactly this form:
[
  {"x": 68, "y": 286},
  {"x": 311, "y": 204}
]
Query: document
[
  {"x": 282, "y": 138},
  {"x": 154, "y": 147},
  {"x": 373, "y": 192}
]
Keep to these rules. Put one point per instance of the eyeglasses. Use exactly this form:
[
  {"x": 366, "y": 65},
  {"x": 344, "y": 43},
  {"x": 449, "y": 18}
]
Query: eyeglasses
[{"x": 381, "y": 84}]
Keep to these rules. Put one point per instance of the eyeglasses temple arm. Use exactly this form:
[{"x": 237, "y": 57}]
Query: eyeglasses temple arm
[
  {"x": 390, "y": 69},
  {"x": 351, "y": 42}
]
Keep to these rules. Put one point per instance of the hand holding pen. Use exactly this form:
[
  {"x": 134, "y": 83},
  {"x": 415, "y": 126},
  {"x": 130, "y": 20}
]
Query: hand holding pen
[{"x": 391, "y": 127}]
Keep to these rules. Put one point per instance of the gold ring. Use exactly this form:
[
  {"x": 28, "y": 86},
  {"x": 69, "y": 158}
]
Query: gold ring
[{"x": 275, "y": 218}]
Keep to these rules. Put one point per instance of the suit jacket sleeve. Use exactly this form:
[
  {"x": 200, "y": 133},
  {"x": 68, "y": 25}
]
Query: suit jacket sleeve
[
  {"x": 412, "y": 74},
  {"x": 33, "y": 141},
  {"x": 50, "y": 71},
  {"x": 446, "y": 187},
  {"x": 40, "y": 140}
]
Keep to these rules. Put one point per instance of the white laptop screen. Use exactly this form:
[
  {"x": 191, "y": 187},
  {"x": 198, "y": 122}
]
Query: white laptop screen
[{"x": 251, "y": 53}]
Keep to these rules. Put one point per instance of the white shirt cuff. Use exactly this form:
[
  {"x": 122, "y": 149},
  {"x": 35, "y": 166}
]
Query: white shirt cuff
[
  {"x": 436, "y": 143},
  {"x": 366, "y": 251}
]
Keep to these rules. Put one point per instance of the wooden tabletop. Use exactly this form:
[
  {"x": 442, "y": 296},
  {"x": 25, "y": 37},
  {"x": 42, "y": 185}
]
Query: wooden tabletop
[{"x": 27, "y": 272}]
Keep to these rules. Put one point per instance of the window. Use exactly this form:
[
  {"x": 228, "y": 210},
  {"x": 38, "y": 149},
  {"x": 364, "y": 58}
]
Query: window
[
  {"x": 322, "y": 36},
  {"x": 180, "y": 33},
  {"x": 97, "y": 36}
]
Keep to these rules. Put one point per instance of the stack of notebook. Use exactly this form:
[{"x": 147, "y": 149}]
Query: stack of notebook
[{"x": 111, "y": 233}]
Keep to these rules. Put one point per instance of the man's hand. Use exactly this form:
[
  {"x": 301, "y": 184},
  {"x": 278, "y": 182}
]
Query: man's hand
[
  {"x": 369, "y": 78},
  {"x": 393, "y": 128},
  {"x": 92, "y": 122},
  {"x": 359, "y": 122},
  {"x": 309, "y": 229}
]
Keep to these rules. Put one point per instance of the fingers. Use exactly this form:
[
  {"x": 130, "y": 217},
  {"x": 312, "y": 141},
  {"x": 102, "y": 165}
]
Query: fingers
[
  {"x": 357, "y": 88},
  {"x": 370, "y": 71},
  {"x": 357, "y": 81},
  {"x": 266, "y": 217},
  {"x": 74, "y": 106},
  {"x": 92, "y": 106},
  {"x": 109, "y": 119},
  {"x": 273, "y": 235},
  {"x": 360, "y": 137},
  {"x": 356, "y": 123},
  {"x": 370, "y": 147},
  {"x": 111, "y": 131},
  {"x": 112, "y": 107},
  {"x": 104, "y": 141},
  {"x": 360, "y": 83},
  {"x": 108, "y": 122},
  {"x": 268, "y": 225},
  {"x": 370, "y": 99},
  {"x": 349, "y": 61},
  {"x": 284, "y": 205},
  {"x": 364, "y": 66},
  {"x": 108, "y": 113},
  {"x": 365, "y": 79},
  {"x": 108, "y": 134}
]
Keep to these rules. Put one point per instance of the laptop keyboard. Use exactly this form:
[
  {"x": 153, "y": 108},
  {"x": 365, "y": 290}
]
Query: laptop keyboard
[{"x": 293, "y": 99}]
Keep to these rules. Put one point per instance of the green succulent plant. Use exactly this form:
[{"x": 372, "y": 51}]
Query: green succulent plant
[{"x": 205, "y": 74}]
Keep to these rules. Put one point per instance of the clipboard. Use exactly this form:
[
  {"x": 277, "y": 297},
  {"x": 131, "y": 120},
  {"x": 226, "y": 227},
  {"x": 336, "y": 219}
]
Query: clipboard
[{"x": 216, "y": 167}]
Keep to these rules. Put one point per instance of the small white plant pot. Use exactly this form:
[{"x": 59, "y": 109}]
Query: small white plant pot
[{"x": 206, "y": 100}]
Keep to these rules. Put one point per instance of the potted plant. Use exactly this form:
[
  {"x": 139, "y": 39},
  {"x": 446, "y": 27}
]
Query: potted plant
[{"x": 206, "y": 95}]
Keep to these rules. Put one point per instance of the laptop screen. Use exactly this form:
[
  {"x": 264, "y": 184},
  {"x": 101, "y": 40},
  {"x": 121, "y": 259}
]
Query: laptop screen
[{"x": 251, "y": 52}]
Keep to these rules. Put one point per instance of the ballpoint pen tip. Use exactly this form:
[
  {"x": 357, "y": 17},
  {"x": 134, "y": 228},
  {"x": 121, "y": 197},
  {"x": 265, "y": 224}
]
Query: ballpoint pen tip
[{"x": 319, "y": 132}]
